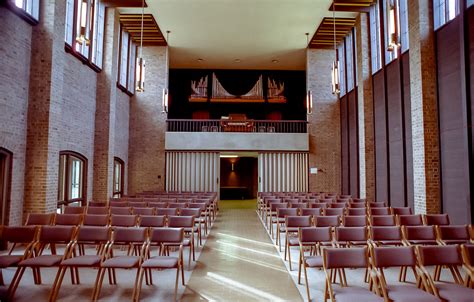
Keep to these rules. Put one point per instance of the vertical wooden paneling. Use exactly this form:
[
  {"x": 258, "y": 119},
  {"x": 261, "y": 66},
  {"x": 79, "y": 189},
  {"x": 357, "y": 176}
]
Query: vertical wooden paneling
[
  {"x": 271, "y": 167},
  {"x": 381, "y": 176},
  {"x": 453, "y": 124},
  {"x": 344, "y": 145},
  {"x": 470, "y": 26},
  {"x": 395, "y": 135},
  {"x": 410, "y": 198},
  {"x": 353, "y": 144}
]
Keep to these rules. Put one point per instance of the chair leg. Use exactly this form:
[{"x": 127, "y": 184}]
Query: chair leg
[
  {"x": 299, "y": 270},
  {"x": 176, "y": 284},
  {"x": 138, "y": 283},
  {"x": 1, "y": 278},
  {"x": 15, "y": 282},
  {"x": 182, "y": 274},
  {"x": 289, "y": 256},
  {"x": 306, "y": 282},
  {"x": 98, "y": 284},
  {"x": 57, "y": 284}
]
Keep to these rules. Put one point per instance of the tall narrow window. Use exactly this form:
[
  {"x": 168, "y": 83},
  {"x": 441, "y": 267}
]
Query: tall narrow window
[
  {"x": 375, "y": 39},
  {"x": 444, "y": 11},
  {"x": 118, "y": 177},
  {"x": 405, "y": 44},
  {"x": 5, "y": 183},
  {"x": 127, "y": 62},
  {"x": 72, "y": 179},
  {"x": 27, "y": 8},
  {"x": 349, "y": 62},
  {"x": 84, "y": 36},
  {"x": 341, "y": 54},
  {"x": 391, "y": 20}
]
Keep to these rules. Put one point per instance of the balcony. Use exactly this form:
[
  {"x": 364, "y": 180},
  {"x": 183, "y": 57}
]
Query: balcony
[{"x": 236, "y": 135}]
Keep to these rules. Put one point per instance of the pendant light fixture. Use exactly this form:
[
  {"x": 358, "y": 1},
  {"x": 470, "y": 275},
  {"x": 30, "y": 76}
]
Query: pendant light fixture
[
  {"x": 82, "y": 37},
  {"x": 140, "y": 76},
  {"x": 165, "y": 90},
  {"x": 309, "y": 94},
  {"x": 393, "y": 42},
  {"x": 335, "y": 64}
]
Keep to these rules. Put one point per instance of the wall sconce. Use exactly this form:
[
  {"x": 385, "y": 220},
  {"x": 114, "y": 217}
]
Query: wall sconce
[
  {"x": 140, "y": 75},
  {"x": 82, "y": 37},
  {"x": 165, "y": 100},
  {"x": 309, "y": 102},
  {"x": 393, "y": 42},
  {"x": 165, "y": 90},
  {"x": 232, "y": 167}
]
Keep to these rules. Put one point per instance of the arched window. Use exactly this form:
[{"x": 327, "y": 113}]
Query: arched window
[
  {"x": 72, "y": 179},
  {"x": 119, "y": 166},
  {"x": 5, "y": 184}
]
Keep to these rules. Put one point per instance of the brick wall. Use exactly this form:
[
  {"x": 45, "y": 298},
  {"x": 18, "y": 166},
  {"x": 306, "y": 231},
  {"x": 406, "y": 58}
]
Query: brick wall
[
  {"x": 324, "y": 129},
  {"x": 147, "y": 127},
  {"x": 15, "y": 50}
]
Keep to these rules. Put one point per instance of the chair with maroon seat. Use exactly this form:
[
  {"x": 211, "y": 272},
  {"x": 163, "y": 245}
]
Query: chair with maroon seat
[
  {"x": 410, "y": 220},
  {"x": 359, "y": 200},
  {"x": 351, "y": 236},
  {"x": 454, "y": 234},
  {"x": 126, "y": 237},
  {"x": 123, "y": 220},
  {"x": 333, "y": 212},
  {"x": 383, "y": 220},
  {"x": 187, "y": 223},
  {"x": 401, "y": 211},
  {"x": 339, "y": 205},
  {"x": 205, "y": 217},
  {"x": 356, "y": 211},
  {"x": 99, "y": 204},
  {"x": 162, "y": 237},
  {"x": 436, "y": 219},
  {"x": 168, "y": 200},
  {"x": 68, "y": 219},
  {"x": 282, "y": 213},
  {"x": 74, "y": 210},
  {"x": 312, "y": 238},
  {"x": 118, "y": 204},
  {"x": 196, "y": 213},
  {"x": 39, "y": 219},
  {"x": 468, "y": 259},
  {"x": 338, "y": 259},
  {"x": 327, "y": 221},
  {"x": 357, "y": 205},
  {"x": 97, "y": 210},
  {"x": 391, "y": 257},
  {"x": 326, "y": 200},
  {"x": 292, "y": 225},
  {"x": 448, "y": 256},
  {"x": 380, "y": 211},
  {"x": 311, "y": 212},
  {"x": 420, "y": 234},
  {"x": 345, "y": 196},
  {"x": 120, "y": 210},
  {"x": 151, "y": 221},
  {"x": 137, "y": 204},
  {"x": 177, "y": 205},
  {"x": 267, "y": 208},
  {"x": 318, "y": 205},
  {"x": 158, "y": 204},
  {"x": 386, "y": 235},
  {"x": 378, "y": 204},
  {"x": 272, "y": 215},
  {"x": 96, "y": 220},
  {"x": 354, "y": 221},
  {"x": 24, "y": 236},
  {"x": 143, "y": 211},
  {"x": 48, "y": 235},
  {"x": 98, "y": 236},
  {"x": 299, "y": 205}
]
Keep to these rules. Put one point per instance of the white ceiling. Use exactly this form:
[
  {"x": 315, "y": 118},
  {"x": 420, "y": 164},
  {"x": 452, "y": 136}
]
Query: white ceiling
[{"x": 256, "y": 32}]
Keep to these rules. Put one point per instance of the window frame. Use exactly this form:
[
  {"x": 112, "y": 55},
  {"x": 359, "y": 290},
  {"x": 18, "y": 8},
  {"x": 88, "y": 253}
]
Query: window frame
[
  {"x": 66, "y": 183},
  {"x": 23, "y": 13},
  {"x": 375, "y": 31},
  {"x": 131, "y": 71},
  {"x": 437, "y": 22},
  {"x": 86, "y": 57},
  {"x": 120, "y": 192}
]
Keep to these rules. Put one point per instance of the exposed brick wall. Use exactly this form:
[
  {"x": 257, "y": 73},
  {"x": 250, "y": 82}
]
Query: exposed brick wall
[
  {"x": 122, "y": 113},
  {"x": 424, "y": 114},
  {"x": 15, "y": 50},
  {"x": 365, "y": 109},
  {"x": 148, "y": 126},
  {"x": 325, "y": 127}
]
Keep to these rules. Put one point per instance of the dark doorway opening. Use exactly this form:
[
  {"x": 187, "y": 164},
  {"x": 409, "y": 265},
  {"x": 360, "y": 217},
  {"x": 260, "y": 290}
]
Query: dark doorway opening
[
  {"x": 5, "y": 183},
  {"x": 239, "y": 178}
]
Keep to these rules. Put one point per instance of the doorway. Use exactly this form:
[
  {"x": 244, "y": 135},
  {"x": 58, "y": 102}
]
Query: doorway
[
  {"x": 5, "y": 184},
  {"x": 238, "y": 175}
]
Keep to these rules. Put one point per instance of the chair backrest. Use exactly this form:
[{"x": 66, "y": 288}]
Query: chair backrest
[
  {"x": 354, "y": 221},
  {"x": 166, "y": 235},
  {"x": 278, "y": 205},
  {"x": 401, "y": 211},
  {"x": 283, "y": 212},
  {"x": 327, "y": 221},
  {"x": 383, "y": 220},
  {"x": 168, "y": 200},
  {"x": 420, "y": 232},
  {"x": 124, "y": 235},
  {"x": 143, "y": 211},
  {"x": 394, "y": 256},
  {"x": 291, "y": 200},
  {"x": 152, "y": 221},
  {"x": 158, "y": 204},
  {"x": 181, "y": 221},
  {"x": 68, "y": 219},
  {"x": 97, "y": 210},
  {"x": 345, "y": 258},
  {"x": 410, "y": 219},
  {"x": 190, "y": 212},
  {"x": 120, "y": 210},
  {"x": 56, "y": 233},
  {"x": 177, "y": 205},
  {"x": 454, "y": 232},
  {"x": 380, "y": 211},
  {"x": 311, "y": 212},
  {"x": 198, "y": 205},
  {"x": 378, "y": 204},
  {"x": 74, "y": 210},
  {"x": 166, "y": 211},
  {"x": 184, "y": 200},
  {"x": 93, "y": 234},
  {"x": 315, "y": 234},
  {"x": 96, "y": 204},
  {"x": 118, "y": 204},
  {"x": 439, "y": 255},
  {"x": 386, "y": 233},
  {"x": 345, "y": 196},
  {"x": 326, "y": 200},
  {"x": 19, "y": 234},
  {"x": 359, "y": 200},
  {"x": 333, "y": 212},
  {"x": 123, "y": 220},
  {"x": 468, "y": 252},
  {"x": 356, "y": 211},
  {"x": 299, "y": 205},
  {"x": 297, "y": 221},
  {"x": 357, "y": 205},
  {"x": 351, "y": 233},
  {"x": 339, "y": 205},
  {"x": 137, "y": 204},
  {"x": 318, "y": 205},
  {"x": 39, "y": 219},
  {"x": 437, "y": 219},
  {"x": 96, "y": 219}
]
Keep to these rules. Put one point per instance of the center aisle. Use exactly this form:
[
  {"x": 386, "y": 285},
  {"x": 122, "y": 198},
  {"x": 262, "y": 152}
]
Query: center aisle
[{"x": 239, "y": 262}]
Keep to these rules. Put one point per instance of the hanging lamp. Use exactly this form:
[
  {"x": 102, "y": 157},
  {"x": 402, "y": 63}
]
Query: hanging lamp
[
  {"x": 335, "y": 64},
  {"x": 165, "y": 98},
  {"x": 393, "y": 42},
  {"x": 82, "y": 37},
  {"x": 309, "y": 94},
  {"x": 140, "y": 76}
]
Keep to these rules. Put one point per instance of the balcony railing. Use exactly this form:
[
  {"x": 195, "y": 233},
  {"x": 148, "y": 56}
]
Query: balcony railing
[{"x": 268, "y": 126}]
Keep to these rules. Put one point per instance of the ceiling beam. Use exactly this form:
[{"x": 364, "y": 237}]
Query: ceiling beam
[
  {"x": 325, "y": 34},
  {"x": 357, "y": 6},
  {"x": 152, "y": 35},
  {"x": 123, "y": 3}
]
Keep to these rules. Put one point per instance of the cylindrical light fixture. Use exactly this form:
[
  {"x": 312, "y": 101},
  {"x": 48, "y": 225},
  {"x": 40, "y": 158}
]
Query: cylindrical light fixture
[
  {"x": 82, "y": 37},
  {"x": 140, "y": 66},
  {"x": 393, "y": 42},
  {"x": 165, "y": 99},
  {"x": 309, "y": 102},
  {"x": 335, "y": 65}
]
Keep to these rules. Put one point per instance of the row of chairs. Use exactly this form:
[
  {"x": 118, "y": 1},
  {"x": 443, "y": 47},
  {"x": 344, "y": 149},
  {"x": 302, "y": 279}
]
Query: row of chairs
[
  {"x": 104, "y": 257},
  {"x": 375, "y": 260}
]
